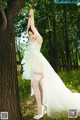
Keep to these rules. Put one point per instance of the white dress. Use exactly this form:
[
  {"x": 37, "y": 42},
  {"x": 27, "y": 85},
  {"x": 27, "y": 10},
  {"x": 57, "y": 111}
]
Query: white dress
[{"x": 57, "y": 98}]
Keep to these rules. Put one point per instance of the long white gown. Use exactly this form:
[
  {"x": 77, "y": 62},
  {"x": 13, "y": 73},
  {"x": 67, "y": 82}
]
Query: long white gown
[{"x": 57, "y": 98}]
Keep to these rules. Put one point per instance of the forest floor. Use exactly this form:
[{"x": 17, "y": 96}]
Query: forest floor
[
  {"x": 28, "y": 109},
  {"x": 28, "y": 103}
]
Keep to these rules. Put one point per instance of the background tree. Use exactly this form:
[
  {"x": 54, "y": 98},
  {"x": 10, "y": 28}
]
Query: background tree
[
  {"x": 54, "y": 41},
  {"x": 67, "y": 48}
]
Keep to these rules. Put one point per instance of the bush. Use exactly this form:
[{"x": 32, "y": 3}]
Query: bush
[
  {"x": 71, "y": 79},
  {"x": 24, "y": 87}
]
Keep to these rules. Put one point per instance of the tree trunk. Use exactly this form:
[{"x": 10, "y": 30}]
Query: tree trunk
[
  {"x": 50, "y": 40},
  {"x": 76, "y": 58},
  {"x": 9, "y": 95},
  {"x": 67, "y": 48},
  {"x": 63, "y": 59},
  {"x": 54, "y": 41}
]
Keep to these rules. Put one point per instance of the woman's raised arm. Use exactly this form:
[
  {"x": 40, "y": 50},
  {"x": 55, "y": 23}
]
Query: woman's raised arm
[
  {"x": 35, "y": 31},
  {"x": 29, "y": 22}
]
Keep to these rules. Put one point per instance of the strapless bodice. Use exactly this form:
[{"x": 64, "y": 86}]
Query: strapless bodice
[{"x": 34, "y": 46}]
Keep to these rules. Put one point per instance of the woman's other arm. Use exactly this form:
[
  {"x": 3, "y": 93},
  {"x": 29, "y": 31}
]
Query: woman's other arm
[
  {"x": 29, "y": 23},
  {"x": 37, "y": 34}
]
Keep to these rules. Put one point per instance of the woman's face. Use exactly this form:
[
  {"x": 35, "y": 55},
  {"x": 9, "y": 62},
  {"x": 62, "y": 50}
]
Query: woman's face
[{"x": 31, "y": 36}]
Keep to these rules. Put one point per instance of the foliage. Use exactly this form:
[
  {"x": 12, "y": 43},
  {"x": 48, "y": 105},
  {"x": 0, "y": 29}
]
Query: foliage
[
  {"x": 71, "y": 79},
  {"x": 20, "y": 23},
  {"x": 44, "y": 23},
  {"x": 24, "y": 88},
  {"x": 4, "y": 2}
]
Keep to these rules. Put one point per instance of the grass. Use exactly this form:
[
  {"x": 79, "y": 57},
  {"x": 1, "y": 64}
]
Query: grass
[{"x": 28, "y": 103}]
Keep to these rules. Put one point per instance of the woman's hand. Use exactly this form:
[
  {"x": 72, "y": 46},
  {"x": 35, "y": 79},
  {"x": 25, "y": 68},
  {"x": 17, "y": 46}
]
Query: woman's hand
[{"x": 31, "y": 12}]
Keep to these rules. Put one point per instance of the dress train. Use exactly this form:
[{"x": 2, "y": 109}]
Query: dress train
[{"x": 57, "y": 98}]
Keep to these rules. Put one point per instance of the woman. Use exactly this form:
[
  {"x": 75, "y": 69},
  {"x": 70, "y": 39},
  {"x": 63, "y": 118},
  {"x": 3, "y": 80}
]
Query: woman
[{"x": 51, "y": 93}]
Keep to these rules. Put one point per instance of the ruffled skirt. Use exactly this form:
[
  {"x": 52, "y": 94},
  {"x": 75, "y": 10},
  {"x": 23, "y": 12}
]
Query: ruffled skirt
[{"x": 32, "y": 64}]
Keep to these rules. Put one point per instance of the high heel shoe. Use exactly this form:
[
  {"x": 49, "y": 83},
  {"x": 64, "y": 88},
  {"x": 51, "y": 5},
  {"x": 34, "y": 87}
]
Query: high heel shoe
[{"x": 40, "y": 115}]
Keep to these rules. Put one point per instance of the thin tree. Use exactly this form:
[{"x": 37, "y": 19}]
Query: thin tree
[
  {"x": 67, "y": 48},
  {"x": 54, "y": 39}
]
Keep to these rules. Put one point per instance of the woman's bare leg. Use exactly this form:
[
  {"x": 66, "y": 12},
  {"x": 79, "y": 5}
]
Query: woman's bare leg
[
  {"x": 41, "y": 90},
  {"x": 36, "y": 87}
]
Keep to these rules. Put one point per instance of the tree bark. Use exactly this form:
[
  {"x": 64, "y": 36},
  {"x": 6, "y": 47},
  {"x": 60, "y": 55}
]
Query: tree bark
[
  {"x": 9, "y": 94},
  {"x": 54, "y": 41},
  {"x": 9, "y": 100},
  {"x": 67, "y": 48}
]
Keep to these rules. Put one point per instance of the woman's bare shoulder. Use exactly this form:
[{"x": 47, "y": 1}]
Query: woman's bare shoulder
[{"x": 40, "y": 39}]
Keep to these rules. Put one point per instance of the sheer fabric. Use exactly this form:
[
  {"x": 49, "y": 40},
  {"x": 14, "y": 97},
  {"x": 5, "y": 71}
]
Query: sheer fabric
[{"x": 57, "y": 98}]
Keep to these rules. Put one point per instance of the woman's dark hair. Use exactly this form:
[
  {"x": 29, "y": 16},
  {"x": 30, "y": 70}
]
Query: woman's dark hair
[{"x": 30, "y": 30}]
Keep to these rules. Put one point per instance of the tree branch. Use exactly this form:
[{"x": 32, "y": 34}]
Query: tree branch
[
  {"x": 4, "y": 24},
  {"x": 14, "y": 6}
]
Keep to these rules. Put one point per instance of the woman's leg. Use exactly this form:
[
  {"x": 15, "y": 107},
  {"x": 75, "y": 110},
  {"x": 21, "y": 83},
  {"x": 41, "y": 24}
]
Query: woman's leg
[
  {"x": 37, "y": 90},
  {"x": 35, "y": 85},
  {"x": 41, "y": 90}
]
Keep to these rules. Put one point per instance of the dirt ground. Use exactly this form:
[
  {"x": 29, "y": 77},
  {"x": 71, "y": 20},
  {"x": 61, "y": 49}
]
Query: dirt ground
[{"x": 28, "y": 109}]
